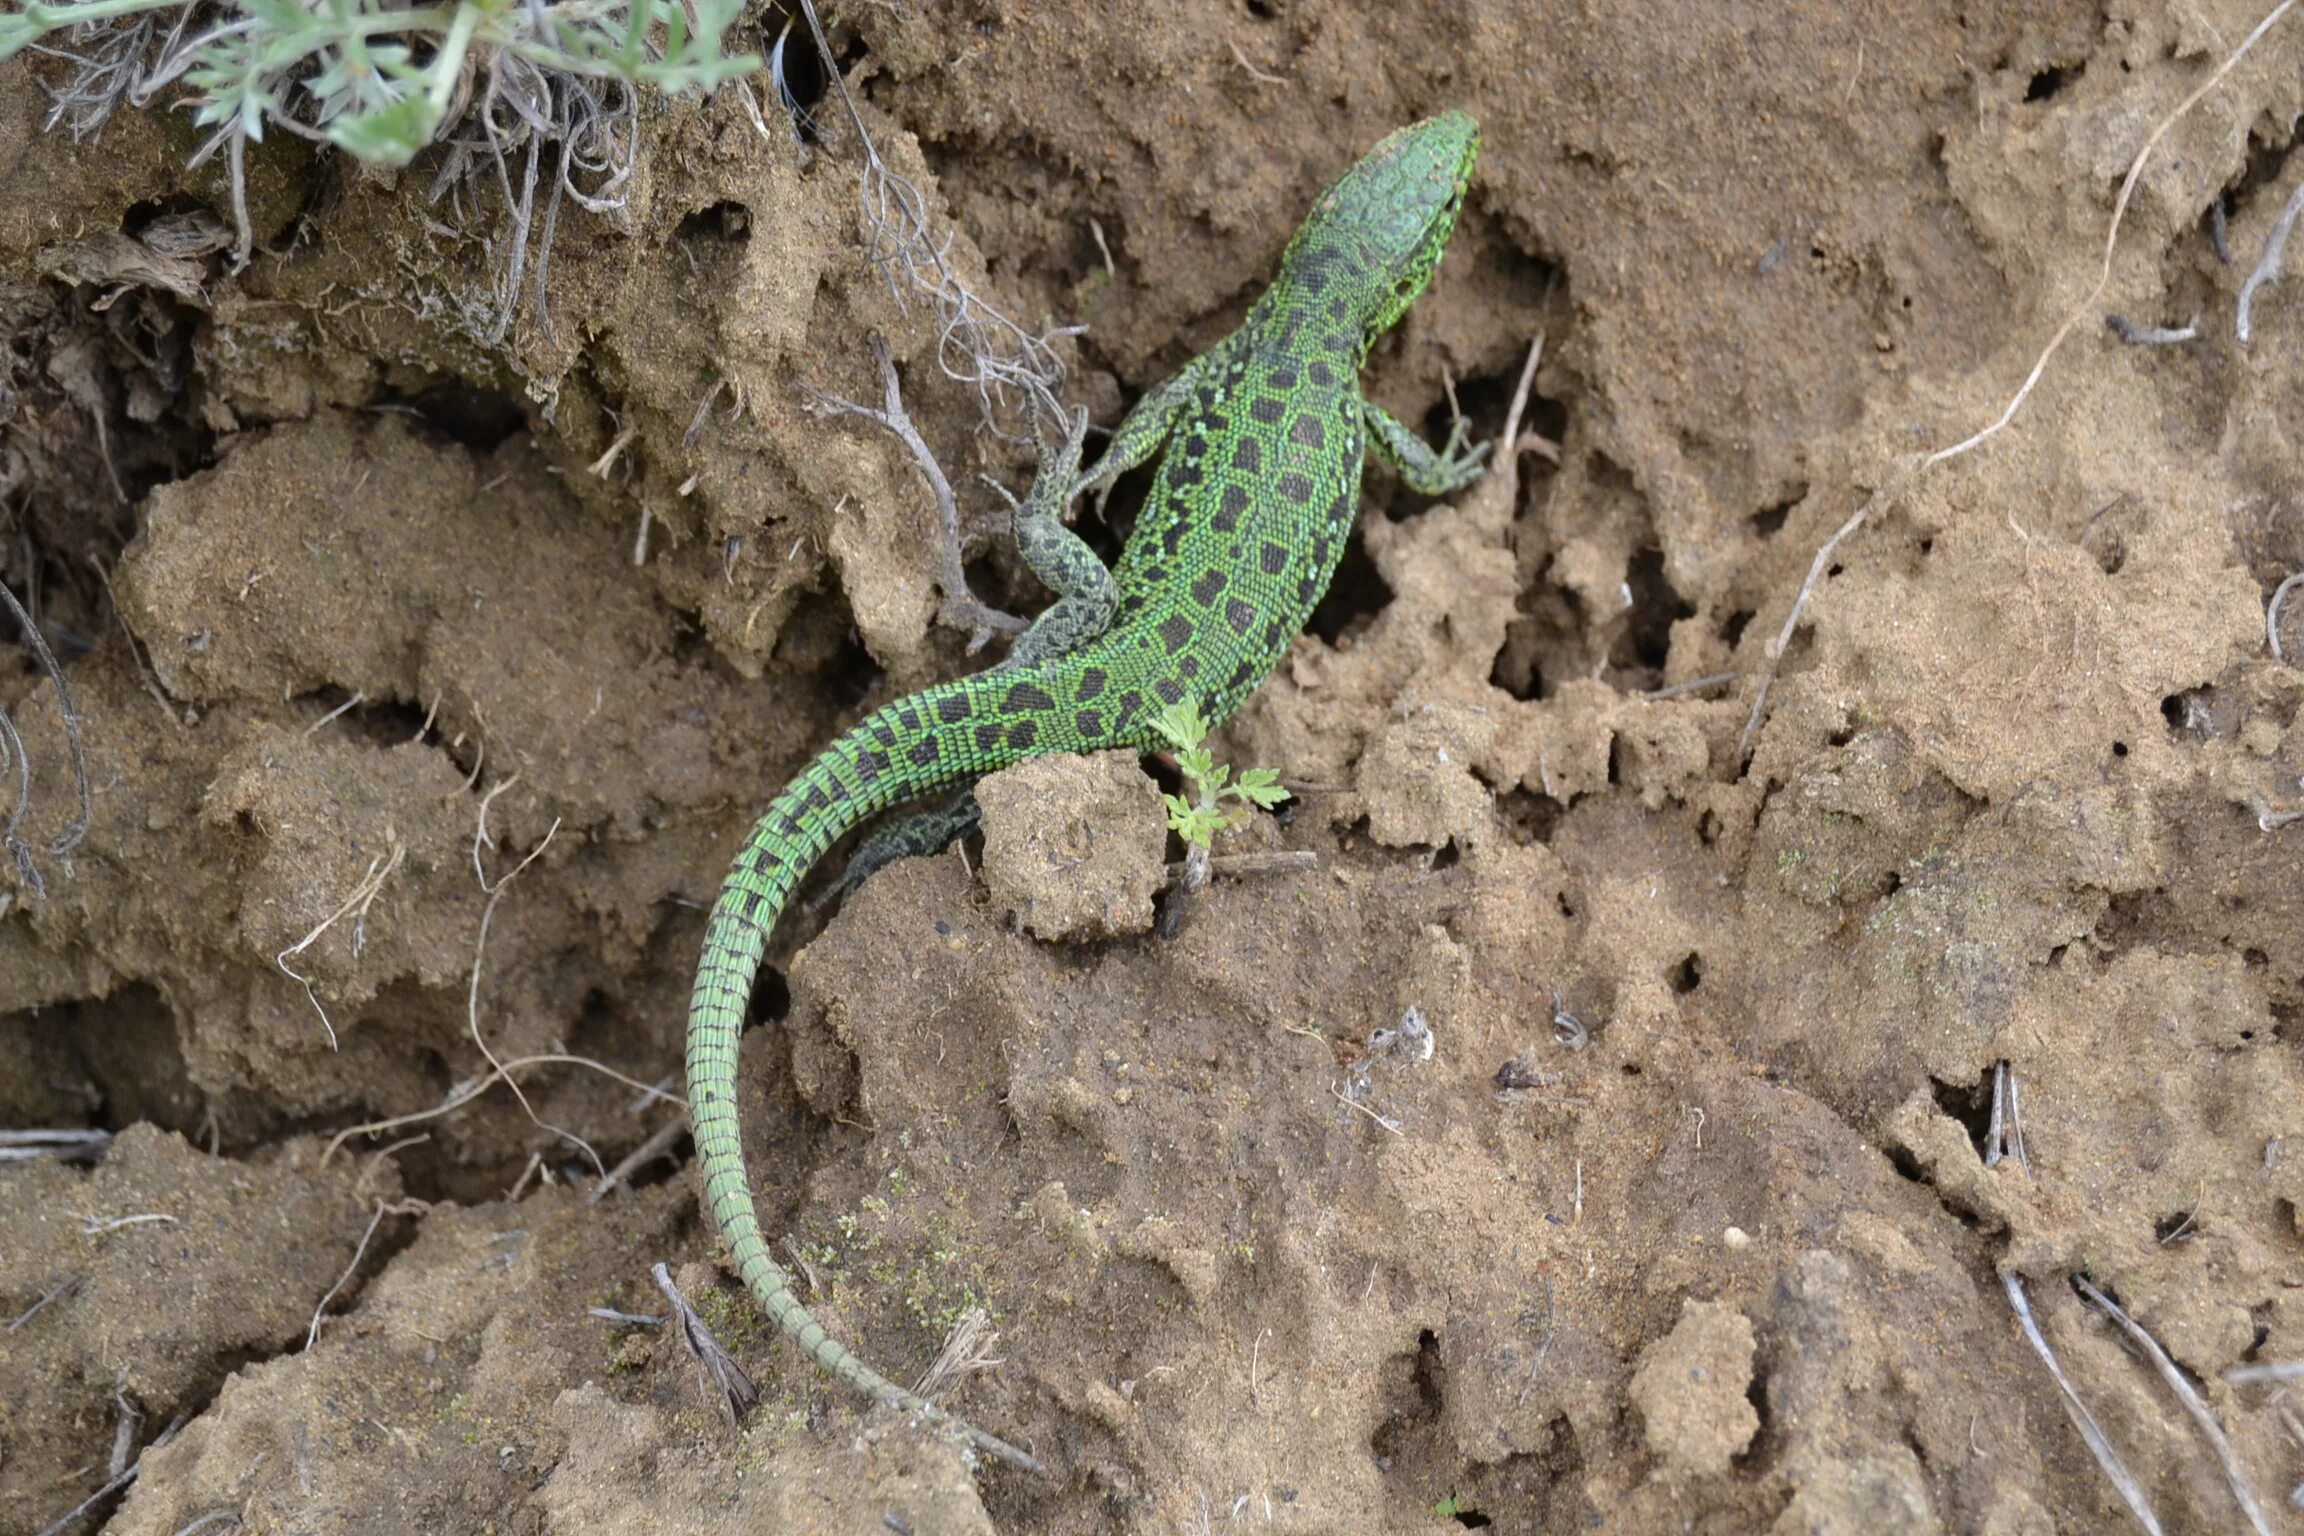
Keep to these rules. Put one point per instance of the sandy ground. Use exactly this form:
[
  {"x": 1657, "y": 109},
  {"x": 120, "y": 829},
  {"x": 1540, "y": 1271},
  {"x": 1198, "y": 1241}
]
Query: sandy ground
[{"x": 429, "y": 677}]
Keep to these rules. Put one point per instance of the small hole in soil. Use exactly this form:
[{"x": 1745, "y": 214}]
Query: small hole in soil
[
  {"x": 379, "y": 722},
  {"x": 1708, "y": 828},
  {"x": 1532, "y": 817},
  {"x": 141, "y": 216},
  {"x": 1834, "y": 570},
  {"x": 1263, "y": 10},
  {"x": 480, "y": 419},
  {"x": 2176, "y": 1227},
  {"x": 2254, "y": 958},
  {"x": 1733, "y": 629},
  {"x": 1687, "y": 975},
  {"x": 2119, "y": 749},
  {"x": 2047, "y": 82},
  {"x": 1470, "y": 1519},
  {"x": 1357, "y": 593},
  {"x": 804, "y": 81},
  {"x": 1770, "y": 520},
  {"x": 728, "y": 221},
  {"x": 1655, "y": 609},
  {"x": 1567, "y": 907},
  {"x": 1446, "y": 856},
  {"x": 1971, "y": 1106},
  {"x": 2192, "y": 712},
  {"x": 1755, "y": 1393},
  {"x": 1631, "y": 1069},
  {"x": 1615, "y": 760},
  {"x": 771, "y": 999},
  {"x": 1927, "y": 546}
]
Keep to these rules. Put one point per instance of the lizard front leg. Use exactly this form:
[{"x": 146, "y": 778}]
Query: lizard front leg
[
  {"x": 1426, "y": 471},
  {"x": 1143, "y": 430}
]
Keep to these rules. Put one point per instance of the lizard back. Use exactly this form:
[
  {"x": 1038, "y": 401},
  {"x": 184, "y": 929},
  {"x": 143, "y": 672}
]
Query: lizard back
[{"x": 1239, "y": 537}]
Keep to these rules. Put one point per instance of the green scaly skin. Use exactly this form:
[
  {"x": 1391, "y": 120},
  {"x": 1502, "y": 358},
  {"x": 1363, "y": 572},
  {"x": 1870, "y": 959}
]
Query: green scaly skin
[{"x": 1245, "y": 522}]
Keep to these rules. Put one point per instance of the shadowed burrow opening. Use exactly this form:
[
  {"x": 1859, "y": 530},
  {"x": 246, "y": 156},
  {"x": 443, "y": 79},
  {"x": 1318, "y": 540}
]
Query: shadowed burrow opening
[
  {"x": 2260, "y": 1325},
  {"x": 177, "y": 222},
  {"x": 2045, "y": 84},
  {"x": 2269, "y": 531},
  {"x": 1646, "y": 642},
  {"x": 1529, "y": 816},
  {"x": 2265, "y": 165},
  {"x": 1970, "y": 1105},
  {"x": 820, "y": 641},
  {"x": 1543, "y": 630},
  {"x": 378, "y": 722},
  {"x": 477, "y": 417},
  {"x": 2191, "y": 715},
  {"x": 48, "y": 1082},
  {"x": 104, "y": 372},
  {"x": 1688, "y": 975},
  {"x": 1761, "y": 1446},
  {"x": 2111, "y": 530},
  {"x": 796, "y": 69},
  {"x": 1354, "y": 597},
  {"x": 2176, "y": 1227},
  {"x": 1415, "y": 1390},
  {"x": 726, "y": 222},
  {"x": 771, "y": 999},
  {"x": 605, "y": 1030},
  {"x": 1769, "y": 520},
  {"x": 129, "y": 1050}
]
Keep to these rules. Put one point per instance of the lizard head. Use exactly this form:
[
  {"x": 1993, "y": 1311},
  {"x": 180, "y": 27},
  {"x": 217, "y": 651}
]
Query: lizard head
[{"x": 1374, "y": 237}]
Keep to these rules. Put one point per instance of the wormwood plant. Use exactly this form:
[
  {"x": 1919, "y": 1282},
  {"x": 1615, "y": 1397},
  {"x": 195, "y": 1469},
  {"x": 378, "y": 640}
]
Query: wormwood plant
[
  {"x": 1213, "y": 799},
  {"x": 382, "y": 79},
  {"x": 374, "y": 77}
]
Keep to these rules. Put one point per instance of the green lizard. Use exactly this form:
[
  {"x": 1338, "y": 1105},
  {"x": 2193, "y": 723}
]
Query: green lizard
[{"x": 1242, "y": 529}]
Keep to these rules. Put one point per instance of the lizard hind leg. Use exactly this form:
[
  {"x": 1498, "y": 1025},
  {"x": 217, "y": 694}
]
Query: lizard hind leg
[
  {"x": 1085, "y": 594},
  {"x": 907, "y": 837},
  {"x": 1083, "y": 609}
]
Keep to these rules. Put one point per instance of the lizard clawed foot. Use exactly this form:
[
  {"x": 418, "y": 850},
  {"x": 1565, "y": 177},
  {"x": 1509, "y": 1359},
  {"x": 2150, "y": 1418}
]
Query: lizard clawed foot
[{"x": 1459, "y": 466}]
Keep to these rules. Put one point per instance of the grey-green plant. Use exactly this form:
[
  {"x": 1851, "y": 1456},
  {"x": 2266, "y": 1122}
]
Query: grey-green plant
[
  {"x": 539, "y": 96},
  {"x": 1213, "y": 799},
  {"x": 374, "y": 77}
]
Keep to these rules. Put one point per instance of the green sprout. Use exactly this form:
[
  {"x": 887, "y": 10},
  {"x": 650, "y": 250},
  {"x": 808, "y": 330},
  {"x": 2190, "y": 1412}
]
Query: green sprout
[{"x": 1213, "y": 800}]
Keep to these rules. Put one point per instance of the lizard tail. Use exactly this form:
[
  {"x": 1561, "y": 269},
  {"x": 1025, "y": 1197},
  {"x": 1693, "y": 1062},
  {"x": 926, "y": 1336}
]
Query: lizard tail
[{"x": 851, "y": 781}]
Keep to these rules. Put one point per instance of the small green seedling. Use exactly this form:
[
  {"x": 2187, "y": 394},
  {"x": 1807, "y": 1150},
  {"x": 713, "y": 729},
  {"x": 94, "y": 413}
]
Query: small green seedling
[{"x": 1213, "y": 799}]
